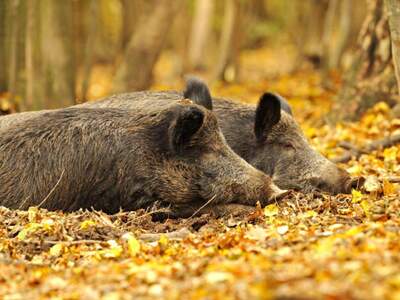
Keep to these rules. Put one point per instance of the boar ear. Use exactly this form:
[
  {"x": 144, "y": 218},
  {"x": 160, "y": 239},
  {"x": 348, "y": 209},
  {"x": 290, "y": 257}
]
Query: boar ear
[
  {"x": 185, "y": 126},
  {"x": 268, "y": 113},
  {"x": 285, "y": 106},
  {"x": 197, "y": 91}
]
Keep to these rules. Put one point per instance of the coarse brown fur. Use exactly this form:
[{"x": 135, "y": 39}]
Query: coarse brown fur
[
  {"x": 111, "y": 158},
  {"x": 282, "y": 152}
]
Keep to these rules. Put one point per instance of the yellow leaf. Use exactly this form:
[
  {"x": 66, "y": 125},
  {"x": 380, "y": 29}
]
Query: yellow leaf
[
  {"x": 29, "y": 228},
  {"x": 37, "y": 260},
  {"x": 356, "y": 196},
  {"x": 282, "y": 229},
  {"x": 395, "y": 281},
  {"x": 355, "y": 170},
  {"x": 390, "y": 154},
  {"x": 310, "y": 214},
  {"x": 114, "y": 251},
  {"x": 22, "y": 234},
  {"x": 163, "y": 241},
  {"x": 111, "y": 296},
  {"x": 271, "y": 210},
  {"x": 353, "y": 231},
  {"x": 324, "y": 247},
  {"x": 86, "y": 224},
  {"x": 56, "y": 250},
  {"x": 366, "y": 207},
  {"x": 217, "y": 276},
  {"x": 310, "y": 132},
  {"x": 47, "y": 223},
  {"x": 381, "y": 107},
  {"x": 133, "y": 244},
  {"x": 388, "y": 188},
  {"x": 32, "y": 213},
  {"x": 372, "y": 184},
  {"x": 257, "y": 233}
]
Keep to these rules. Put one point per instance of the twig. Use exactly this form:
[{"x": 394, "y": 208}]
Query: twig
[
  {"x": 201, "y": 207},
  {"x": 351, "y": 147},
  {"x": 392, "y": 179},
  {"x": 163, "y": 209},
  {"x": 147, "y": 237},
  {"x": 174, "y": 235},
  {"x": 372, "y": 146},
  {"x": 52, "y": 190},
  {"x": 23, "y": 202},
  {"x": 75, "y": 242}
]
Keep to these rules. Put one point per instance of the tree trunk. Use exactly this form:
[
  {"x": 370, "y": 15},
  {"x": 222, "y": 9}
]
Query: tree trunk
[
  {"x": 336, "y": 53},
  {"x": 229, "y": 42},
  {"x": 393, "y": 9},
  {"x": 13, "y": 49},
  {"x": 131, "y": 11},
  {"x": 3, "y": 57},
  {"x": 88, "y": 54},
  {"x": 371, "y": 77},
  {"x": 328, "y": 33},
  {"x": 144, "y": 48},
  {"x": 29, "y": 57},
  {"x": 307, "y": 31},
  {"x": 201, "y": 28},
  {"x": 57, "y": 53}
]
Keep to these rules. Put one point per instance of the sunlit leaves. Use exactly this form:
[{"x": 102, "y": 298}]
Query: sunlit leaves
[
  {"x": 87, "y": 224},
  {"x": 132, "y": 243},
  {"x": 271, "y": 210},
  {"x": 313, "y": 245},
  {"x": 356, "y": 196}
]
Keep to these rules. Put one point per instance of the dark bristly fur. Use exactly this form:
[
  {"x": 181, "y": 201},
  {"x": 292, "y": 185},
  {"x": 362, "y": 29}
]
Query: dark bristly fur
[
  {"x": 283, "y": 152},
  {"x": 110, "y": 158}
]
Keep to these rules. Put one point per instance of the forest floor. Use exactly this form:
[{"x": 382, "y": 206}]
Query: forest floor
[{"x": 311, "y": 246}]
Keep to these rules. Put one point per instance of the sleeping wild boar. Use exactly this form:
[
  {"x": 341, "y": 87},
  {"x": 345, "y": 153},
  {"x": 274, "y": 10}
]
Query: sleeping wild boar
[{"x": 109, "y": 158}]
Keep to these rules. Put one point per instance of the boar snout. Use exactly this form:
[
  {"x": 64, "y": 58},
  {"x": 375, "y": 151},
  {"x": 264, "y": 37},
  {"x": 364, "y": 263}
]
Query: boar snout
[
  {"x": 258, "y": 187},
  {"x": 235, "y": 181},
  {"x": 337, "y": 181}
]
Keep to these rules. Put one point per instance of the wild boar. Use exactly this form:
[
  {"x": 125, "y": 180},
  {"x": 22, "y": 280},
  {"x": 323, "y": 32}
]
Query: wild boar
[
  {"x": 111, "y": 158},
  {"x": 266, "y": 135}
]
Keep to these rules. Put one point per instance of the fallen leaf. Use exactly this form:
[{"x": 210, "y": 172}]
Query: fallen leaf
[{"x": 271, "y": 210}]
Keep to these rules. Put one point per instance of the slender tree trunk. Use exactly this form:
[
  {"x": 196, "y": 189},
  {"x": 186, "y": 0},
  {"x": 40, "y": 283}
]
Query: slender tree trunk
[
  {"x": 393, "y": 9},
  {"x": 228, "y": 36},
  {"x": 307, "y": 31},
  {"x": 57, "y": 53},
  {"x": 144, "y": 48},
  {"x": 371, "y": 77},
  {"x": 201, "y": 28},
  {"x": 335, "y": 57},
  {"x": 130, "y": 14},
  {"x": 3, "y": 43},
  {"x": 29, "y": 57},
  {"x": 13, "y": 52},
  {"x": 88, "y": 56},
  {"x": 328, "y": 33}
]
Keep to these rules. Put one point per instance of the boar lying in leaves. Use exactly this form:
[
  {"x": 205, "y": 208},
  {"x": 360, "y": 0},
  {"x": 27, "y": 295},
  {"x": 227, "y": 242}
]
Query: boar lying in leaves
[
  {"x": 266, "y": 136},
  {"x": 172, "y": 152}
]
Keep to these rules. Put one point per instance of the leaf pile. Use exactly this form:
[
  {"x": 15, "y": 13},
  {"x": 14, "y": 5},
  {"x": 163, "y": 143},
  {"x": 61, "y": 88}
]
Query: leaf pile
[{"x": 312, "y": 246}]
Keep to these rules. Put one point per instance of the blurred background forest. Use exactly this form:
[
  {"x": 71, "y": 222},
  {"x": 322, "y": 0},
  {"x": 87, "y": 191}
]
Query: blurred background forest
[{"x": 58, "y": 53}]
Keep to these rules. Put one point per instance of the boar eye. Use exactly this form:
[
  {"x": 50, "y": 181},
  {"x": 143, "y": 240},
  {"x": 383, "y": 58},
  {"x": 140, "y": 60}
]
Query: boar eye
[{"x": 288, "y": 146}]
